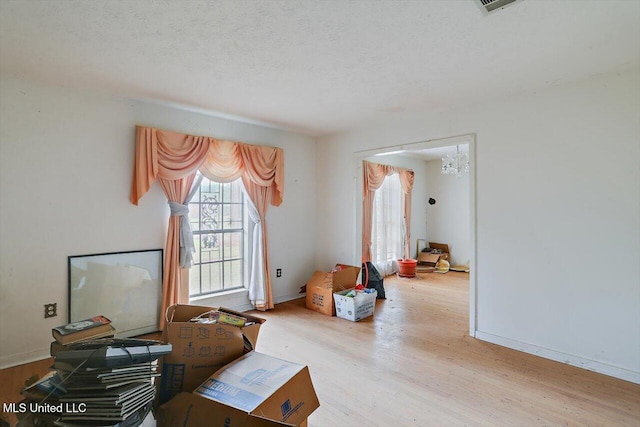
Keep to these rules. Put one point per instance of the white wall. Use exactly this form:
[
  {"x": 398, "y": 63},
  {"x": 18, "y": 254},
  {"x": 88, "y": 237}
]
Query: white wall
[
  {"x": 557, "y": 186},
  {"x": 66, "y": 163},
  {"x": 448, "y": 221}
]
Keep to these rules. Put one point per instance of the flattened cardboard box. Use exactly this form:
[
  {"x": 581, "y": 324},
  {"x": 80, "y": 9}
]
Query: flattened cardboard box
[
  {"x": 254, "y": 390},
  {"x": 321, "y": 287},
  {"x": 200, "y": 349}
]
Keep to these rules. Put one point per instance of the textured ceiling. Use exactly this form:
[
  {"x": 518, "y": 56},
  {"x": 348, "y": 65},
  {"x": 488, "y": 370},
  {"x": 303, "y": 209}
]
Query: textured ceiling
[{"x": 318, "y": 67}]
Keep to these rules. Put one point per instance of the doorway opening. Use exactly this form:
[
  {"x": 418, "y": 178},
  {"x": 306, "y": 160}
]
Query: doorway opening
[{"x": 433, "y": 222}]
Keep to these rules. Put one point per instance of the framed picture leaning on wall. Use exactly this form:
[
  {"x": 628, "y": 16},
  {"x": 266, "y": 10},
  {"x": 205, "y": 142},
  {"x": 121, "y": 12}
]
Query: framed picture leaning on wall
[{"x": 125, "y": 287}]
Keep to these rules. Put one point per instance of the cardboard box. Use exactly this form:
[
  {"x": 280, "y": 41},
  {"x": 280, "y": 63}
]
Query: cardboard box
[
  {"x": 254, "y": 390},
  {"x": 200, "y": 349},
  {"x": 323, "y": 285},
  {"x": 431, "y": 259},
  {"x": 355, "y": 308}
]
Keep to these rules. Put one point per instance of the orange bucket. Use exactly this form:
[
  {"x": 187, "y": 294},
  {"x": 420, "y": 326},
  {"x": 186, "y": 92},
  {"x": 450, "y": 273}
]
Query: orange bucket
[{"x": 407, "y": 267}]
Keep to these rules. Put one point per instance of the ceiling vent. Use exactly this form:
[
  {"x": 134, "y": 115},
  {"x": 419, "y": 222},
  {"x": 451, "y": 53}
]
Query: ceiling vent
[{"x": 490, "y": 6}]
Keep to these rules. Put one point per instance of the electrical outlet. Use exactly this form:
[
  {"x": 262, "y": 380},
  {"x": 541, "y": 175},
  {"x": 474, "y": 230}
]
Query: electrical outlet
[
  {"x": 50, "y": 310},
  {"x": 278, "y": 272}
]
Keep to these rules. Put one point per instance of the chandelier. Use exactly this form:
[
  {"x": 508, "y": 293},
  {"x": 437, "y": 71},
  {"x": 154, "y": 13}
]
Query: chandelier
[{"x": 456, "y": 164}]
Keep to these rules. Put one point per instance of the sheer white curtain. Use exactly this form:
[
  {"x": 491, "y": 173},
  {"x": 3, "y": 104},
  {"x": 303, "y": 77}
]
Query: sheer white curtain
[
  {"x": 386, "y": 234},
  {"x": 256, "y": 276}
]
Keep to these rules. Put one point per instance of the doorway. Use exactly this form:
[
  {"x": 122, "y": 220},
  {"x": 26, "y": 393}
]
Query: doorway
[{"x": 435, "y": 149}]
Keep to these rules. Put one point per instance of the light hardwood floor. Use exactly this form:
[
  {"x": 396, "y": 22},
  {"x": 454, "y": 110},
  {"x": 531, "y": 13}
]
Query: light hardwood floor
[{"x": 413, "y": 364}]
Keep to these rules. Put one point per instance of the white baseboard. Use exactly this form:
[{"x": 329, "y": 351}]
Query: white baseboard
[
  {"x": 285, "y": 298},
  {"x": 22, "y": 358},
  {"x": 569, "y": 359},
  {"x": 276, "y": 300}
]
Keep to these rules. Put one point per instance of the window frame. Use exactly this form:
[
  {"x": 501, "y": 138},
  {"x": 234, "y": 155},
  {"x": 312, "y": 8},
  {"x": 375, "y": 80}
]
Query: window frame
[{"x": 245, "y": 231}]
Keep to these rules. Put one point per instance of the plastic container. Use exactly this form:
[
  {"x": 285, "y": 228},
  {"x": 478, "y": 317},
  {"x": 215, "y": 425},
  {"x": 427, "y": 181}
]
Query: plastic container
[{"x": 407, "y": 267}]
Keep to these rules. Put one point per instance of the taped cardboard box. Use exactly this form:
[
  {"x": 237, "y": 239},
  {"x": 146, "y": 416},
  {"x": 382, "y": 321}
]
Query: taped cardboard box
[
  {"x": 255, "y": 390},
  {"x": 200, "y": 349},
  {"x": 322, "y": 285},
  {"x": 356, "y": 308}
]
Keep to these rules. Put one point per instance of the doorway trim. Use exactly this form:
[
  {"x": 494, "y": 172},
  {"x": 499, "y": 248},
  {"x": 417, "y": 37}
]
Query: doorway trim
[{"x": 469, "y": 139}]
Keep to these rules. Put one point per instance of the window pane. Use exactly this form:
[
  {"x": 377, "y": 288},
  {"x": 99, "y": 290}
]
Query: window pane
[
  {"x": 226, "y": 217},
  {"x": 211, "y": 277},
  {"x": 194, "y": 211},
  {"x": 236, "y": 194},
  {"x": 194, "y": 281},
  {"x": 210, "y": 190},
  {"x": 226, "y": 192},
  {"x": 236, "y": 214},
  {"x": 233, "y": 243},
  {"x": 196, "y": 245},
  {"x": 211, "y": 248},
  {"x": 211, "y": 215},
  {"x": 232, "y": 274},
  {"x": 205, "y": 278}
]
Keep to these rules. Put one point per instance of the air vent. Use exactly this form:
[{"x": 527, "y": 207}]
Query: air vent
[{"x": 491, "y": 6}]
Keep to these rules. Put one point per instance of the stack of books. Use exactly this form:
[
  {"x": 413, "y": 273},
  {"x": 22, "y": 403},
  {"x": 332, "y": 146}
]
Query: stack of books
[
  {"x": 100, "y": 380},
  {"x": 108, "y": 381}
]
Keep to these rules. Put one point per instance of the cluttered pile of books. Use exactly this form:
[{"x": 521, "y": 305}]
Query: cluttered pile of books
[{"x": 97, "y": 380}]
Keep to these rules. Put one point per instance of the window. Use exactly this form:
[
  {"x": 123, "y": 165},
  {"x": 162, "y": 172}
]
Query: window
[
  {"x": 218, "y": 219},
  {"x": 387, "y": 225}
]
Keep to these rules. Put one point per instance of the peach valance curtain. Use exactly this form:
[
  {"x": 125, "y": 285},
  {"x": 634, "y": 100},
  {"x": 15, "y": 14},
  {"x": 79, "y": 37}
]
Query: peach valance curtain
[
  {"x": 373, "y": 177},
  {"x": 174, "y": 159},
  {"x": 172, "y": 155}
]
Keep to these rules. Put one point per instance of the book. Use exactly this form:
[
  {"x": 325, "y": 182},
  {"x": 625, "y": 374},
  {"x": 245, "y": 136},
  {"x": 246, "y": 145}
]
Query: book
[
  {"x": 106, "y": 353},
  {"x": 87, "y": 381},
  {"x": 98, "y": 372},
  {"x": 133, "y": 421},
  {"x": 84, "y": 329},
  {"x": 132, "y": 418},
  {"x": 49, "y": 385},
  {"x": 129, "y": 397},
  {"x": 113, "y": 396},
  {"x": 56, "y": 347},
  {"x": 118, "y": 412}
]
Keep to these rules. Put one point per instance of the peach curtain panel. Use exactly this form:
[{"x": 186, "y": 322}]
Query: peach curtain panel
[
  {"x": 373, "y": 177},
  {"x": 176, "y": 190},
  {"x": 174, "y": 158}
]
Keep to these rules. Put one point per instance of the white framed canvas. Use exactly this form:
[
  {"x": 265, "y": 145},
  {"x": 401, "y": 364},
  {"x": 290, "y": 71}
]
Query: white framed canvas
[{"x": 125, "y": 287}]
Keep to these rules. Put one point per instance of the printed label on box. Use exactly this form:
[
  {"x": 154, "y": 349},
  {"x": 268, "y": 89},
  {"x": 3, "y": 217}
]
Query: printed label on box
[
  {"x": 365, "y": 308},
  {"x": 318, "y": 299},
  {"x": 287, "y": 410},
  {"x": 230, "y": 395},
  {"x": 171, "y": 380}
]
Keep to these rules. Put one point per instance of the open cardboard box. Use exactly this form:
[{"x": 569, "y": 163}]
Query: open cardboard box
[
  {"x": 432, "y": 259},
  {"x": 323, "y": 285},
  {"x": 255, "y": 390},
  {"x": 355, "y": 308},
  {"x": 200, "y": 349}
]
